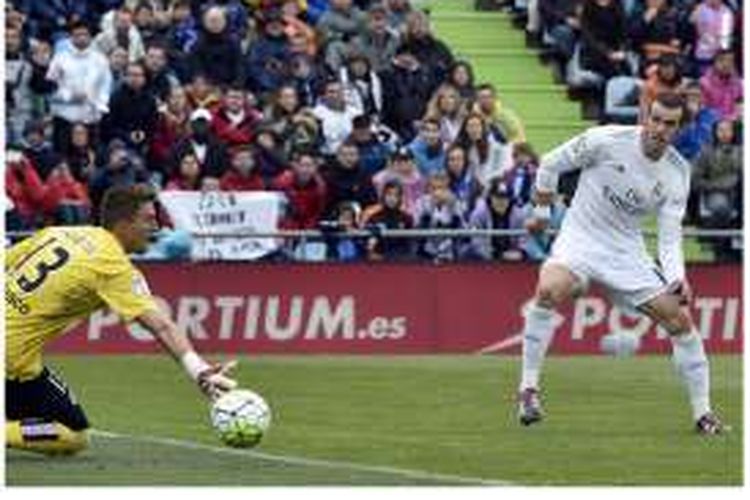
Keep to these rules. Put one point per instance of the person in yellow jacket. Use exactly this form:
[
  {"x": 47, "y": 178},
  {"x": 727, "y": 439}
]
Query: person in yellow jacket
[
  {"x": 497, "y": 116},
  {"x": 56, "y": 278}
]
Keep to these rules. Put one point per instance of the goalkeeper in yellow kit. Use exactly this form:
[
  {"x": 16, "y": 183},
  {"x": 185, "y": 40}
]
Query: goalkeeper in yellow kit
[{"x": 58, "y": 277}]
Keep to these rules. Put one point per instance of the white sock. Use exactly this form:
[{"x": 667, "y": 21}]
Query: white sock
[
  {"x": 539, "y": 327},
  {"x": 692, "y": 366}
]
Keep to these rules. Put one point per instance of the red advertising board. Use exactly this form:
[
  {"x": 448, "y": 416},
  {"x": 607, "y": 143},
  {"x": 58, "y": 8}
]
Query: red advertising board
[{"x": 389, "y": 308}]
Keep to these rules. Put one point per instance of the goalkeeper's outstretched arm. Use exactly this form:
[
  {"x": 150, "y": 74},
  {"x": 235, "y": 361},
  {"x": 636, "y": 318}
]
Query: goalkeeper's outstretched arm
[{"x": 212, "y": 379}]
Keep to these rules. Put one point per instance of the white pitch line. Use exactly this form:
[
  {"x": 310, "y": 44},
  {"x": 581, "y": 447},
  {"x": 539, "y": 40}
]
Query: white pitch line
[{"x": 310, "y": 462}]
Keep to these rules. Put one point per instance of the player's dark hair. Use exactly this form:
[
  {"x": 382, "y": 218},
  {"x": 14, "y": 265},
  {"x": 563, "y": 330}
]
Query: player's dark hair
[
  {"x": 123, "y": 202},
  {"x": 673, "y": 100}
]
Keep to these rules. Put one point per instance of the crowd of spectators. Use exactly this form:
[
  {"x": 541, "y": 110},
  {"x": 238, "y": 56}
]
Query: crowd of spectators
[{"x": 354, "y": 110}]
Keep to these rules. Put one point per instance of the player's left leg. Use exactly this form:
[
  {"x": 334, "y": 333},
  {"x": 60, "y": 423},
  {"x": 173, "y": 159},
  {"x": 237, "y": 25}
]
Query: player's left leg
[
  {"x": 689, "y": 357},
  {"x": 42, "y": 415}
]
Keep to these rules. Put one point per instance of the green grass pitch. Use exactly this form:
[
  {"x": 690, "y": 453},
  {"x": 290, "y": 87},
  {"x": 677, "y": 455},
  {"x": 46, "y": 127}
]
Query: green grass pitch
[{"x": 398, "y": 420}]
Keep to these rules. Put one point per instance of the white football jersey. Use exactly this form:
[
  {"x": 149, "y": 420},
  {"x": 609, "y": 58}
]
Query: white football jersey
[{"x": 618, "y": 187}]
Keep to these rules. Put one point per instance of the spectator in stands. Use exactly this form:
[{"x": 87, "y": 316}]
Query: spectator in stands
[
  {"x": 341, "y": 248},
  {"x": 338, "y": 26},
  {"x": 270, "y": 154},
  {"x": 306, "y": 77},
  {"x": 717, "y": 176},
  {"x": 373, "y": 152},
  {"x": 335, "y": 115},
  {"x": 244, "y": 174},
  {"x": 495, "y": 210},
  {"x": 362, "y": 87},
  {"x": 147, "y": 23},
  {"x": 401, "y": 167},
  {"x": 487, "y": 157},
  {"x": 208, "y": 149},
  {"x": 18, "y": 96},
  {"x": 121, "y": 169},
  {"x": 305, "y": 191},
  {"x": 407, "y": 87},
  {"x": 181, "y": 36},
  {"x": 132, "y": 111},
  {"x": 388, "y": 214},
  {"x": 201, "y": 93},
  {"x": 449, "y": 110},
  {"x": 503, "y": 122},
  {"x": 236, "y": 14},
  {"x": 234, "y": 120},
  {"x": 461, "y": 76},
  {"x": 38, "y": 150},
  {"x": 520, "y": 178},
  {"x": 49, "y": 19},
  {"x": 118, "y": 65},
  {"x": 428, "y": 148},
  {"x": 346, "y": 180},
  {"x": 666, "y": 76},
  {"x": 25, "y": 192},
  {"x": 83, "y": 85},
  {"x": 713, "y": 22},
  {"x": 265, "y": 67},
  {"x": 80, "y": 154},
  {"x": 65, "y": 200},
  {"x": 561, "y": 21},
  {"x": 118, "y": 30},
  {"x": 282, "y": 107},
  {"x": 463, "y": 184},
  {"x": 429, "y": 51},
  {"x": 654, "y": 30},
  {"x": 40, "y": 58},
  {"x": 160, "y": 77},
  {"x": 398, "y": 11},
  {"x": 305, "y": 133},
  {"x": 438, "y": 208},
  {"x": 722, "y": 87},
  {"x": 188, "y": 175},
  {"x": 216, "y": 54},
  {"x": 698, "y": 124},
  {"x": 604, "y": 38},
  {"x": 172, "y": 127},
  {"x": 378, "y": 41},
  {"x": 302, "y": 37},
  {"x": 537, "y": 244}
]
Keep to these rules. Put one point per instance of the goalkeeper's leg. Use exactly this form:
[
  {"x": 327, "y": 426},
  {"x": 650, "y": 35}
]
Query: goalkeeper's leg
[{"x": 43, "y": 415}]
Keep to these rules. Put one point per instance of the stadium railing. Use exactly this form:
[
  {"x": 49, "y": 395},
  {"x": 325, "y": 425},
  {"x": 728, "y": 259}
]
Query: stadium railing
[{"x": 333, "y": 231}]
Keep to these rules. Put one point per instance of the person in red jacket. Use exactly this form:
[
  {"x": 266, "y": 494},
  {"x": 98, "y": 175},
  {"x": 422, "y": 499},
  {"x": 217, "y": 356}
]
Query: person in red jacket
[
  {"x": 243, "y": 176},
  {"x": 25, "y": 192},
  {"x": 172, "y": 127},
  {"x": 305, "y": 191},
  {"x": 234, "y": 120},
  {"x": 66, "y": 200},
  {"x": 188, "y": 175}
]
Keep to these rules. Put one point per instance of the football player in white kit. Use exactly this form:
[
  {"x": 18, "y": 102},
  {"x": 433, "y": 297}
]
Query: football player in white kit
[{"x": 627, "y": 172}]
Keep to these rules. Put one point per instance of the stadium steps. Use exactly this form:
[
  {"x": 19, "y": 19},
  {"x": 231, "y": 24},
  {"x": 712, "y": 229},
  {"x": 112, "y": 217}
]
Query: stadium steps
[{"x": 498, "y": 53}]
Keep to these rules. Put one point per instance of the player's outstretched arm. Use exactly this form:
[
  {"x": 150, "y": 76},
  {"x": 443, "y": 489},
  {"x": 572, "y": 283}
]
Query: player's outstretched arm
[{"x": 213, "y": 379}]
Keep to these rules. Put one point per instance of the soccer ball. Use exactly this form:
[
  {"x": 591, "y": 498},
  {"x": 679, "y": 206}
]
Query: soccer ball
[
  {"x": 241, "y": 418},
  {"x": 620, "y": 344}
]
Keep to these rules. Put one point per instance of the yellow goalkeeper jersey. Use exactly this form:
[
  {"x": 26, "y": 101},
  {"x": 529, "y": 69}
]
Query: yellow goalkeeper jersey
[{"x": 59, "y": 276}]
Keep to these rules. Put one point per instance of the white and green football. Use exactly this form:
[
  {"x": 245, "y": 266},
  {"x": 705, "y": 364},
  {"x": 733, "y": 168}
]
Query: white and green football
[{"x": 241, "y": 418}]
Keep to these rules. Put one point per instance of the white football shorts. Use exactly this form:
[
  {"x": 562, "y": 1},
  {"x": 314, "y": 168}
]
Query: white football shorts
[{"x": 631, "y": 279}]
